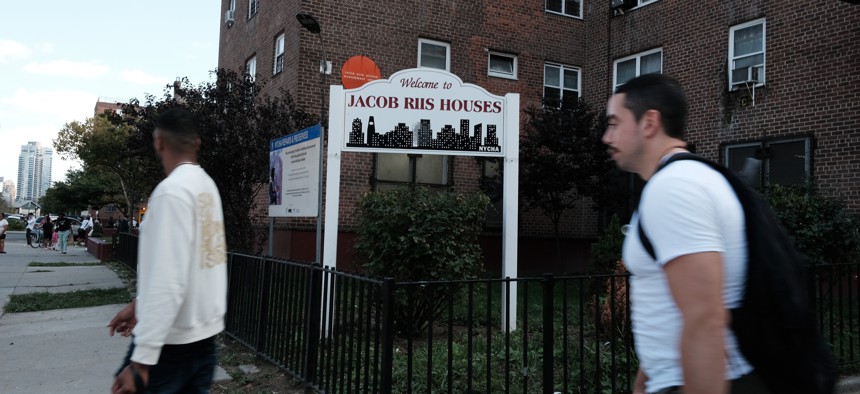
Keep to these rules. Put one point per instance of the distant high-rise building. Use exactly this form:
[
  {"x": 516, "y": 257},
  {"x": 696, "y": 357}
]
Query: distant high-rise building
[
  {"x": 34, "y": 171},
  {"x": 8, "y": 190}
]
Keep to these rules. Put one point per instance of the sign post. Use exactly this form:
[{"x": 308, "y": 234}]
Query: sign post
[{"x": 427, "y": 111}]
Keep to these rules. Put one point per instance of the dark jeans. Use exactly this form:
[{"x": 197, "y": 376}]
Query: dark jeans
[
  {"x": 747, "y": 384},
  {"x": 29, "y": 240},
  {"x": 187, "y": 368}
]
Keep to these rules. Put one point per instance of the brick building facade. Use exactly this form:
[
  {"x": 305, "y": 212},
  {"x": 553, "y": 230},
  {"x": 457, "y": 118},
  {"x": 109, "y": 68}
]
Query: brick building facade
[{"x": 803, "y": 121}]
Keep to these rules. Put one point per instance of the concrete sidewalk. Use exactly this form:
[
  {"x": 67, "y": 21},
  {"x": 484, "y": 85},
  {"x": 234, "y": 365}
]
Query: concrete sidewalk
[
  {"x": 64, "y": 350},
  {"x": 58, "y": 351}
]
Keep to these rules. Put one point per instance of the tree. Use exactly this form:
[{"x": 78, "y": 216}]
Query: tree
[
  {"x": 237, "y": 125},
  {"x": 103, "y": 143},
  {"x": 562, "y": 159},
  {"x": 82, "y": 189}
]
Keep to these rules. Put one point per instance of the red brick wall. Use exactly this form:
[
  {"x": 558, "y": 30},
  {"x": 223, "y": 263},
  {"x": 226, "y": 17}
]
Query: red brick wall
[{"x": 813, "y": 70}]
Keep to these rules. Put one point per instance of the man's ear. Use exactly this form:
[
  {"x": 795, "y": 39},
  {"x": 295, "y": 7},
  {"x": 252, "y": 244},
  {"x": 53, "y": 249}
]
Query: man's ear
[
  {"x": 651, "y": 122},
  {"x": 197, "y": 143}
]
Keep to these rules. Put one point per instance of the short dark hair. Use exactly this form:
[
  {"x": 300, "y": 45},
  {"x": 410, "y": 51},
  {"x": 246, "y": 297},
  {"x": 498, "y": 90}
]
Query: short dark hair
[
  {"x": 661, "y": 93},
  {"x": 180, "y": 128}
]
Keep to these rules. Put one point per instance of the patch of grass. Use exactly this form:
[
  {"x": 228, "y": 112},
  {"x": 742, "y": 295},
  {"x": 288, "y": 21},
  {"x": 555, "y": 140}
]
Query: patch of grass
[
  {"x": 65, "y": 264},
  {"x": 127, "y": 276},
  {"x": 76, "y": 299}
]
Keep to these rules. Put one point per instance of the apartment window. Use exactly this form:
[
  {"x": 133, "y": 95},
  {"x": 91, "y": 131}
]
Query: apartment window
[
  {"x": 502, "y": 65},
  {"x": 232, "y": 5},
  {"x": 771, "y": 162},
  {"x": 565, "y": 7},
  {"x": 396, "y": 169},
  {"x": 560, "y": 81},
  {"x": 632, "y": 66},
  {"x": 434, "y": 54},
  {"x": 251, "y": 68},
  {"x": 747, "y": 54},
  {"x": 279, "y": 54},
  {"x": 253, "y": 7}
]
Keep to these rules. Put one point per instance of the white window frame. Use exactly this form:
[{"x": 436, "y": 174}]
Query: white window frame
[
  {"x": 251, "y": 68},
  {"x": 497, "y": 74},
  {"x": 281, "y": 38},
  {"x": 562, "y": 67},
  {"x": 253, "y": 8},
  {"x": 563, "y": 11},
  {"x": 438, "y": 43},
  {"x": 638, "y": 57},
  {"x": 732, "y": 30},
  {"x": 232, "y": 6}
]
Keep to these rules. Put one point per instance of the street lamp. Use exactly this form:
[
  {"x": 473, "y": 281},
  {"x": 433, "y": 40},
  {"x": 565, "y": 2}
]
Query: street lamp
[{"x": 310, "y": 23}]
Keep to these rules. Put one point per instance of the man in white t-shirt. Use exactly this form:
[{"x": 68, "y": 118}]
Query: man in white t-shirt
[
  {"x": 182, "y": 273},
  {"x": 31, "y": 225},
  {"x": 679, "y": 302},
  {"x": 4, "y": 225},
  {"x": 84, "y": 230}
]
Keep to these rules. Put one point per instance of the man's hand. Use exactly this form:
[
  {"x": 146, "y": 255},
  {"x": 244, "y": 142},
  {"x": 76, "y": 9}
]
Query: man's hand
[
  {"x": 641, "y": 378},
  {"x": 124, "y": 321},
  {"x": 125, "y": 382}
]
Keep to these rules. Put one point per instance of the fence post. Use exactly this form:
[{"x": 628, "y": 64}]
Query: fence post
[
  {"x": 313, "y": 325},
  {"x": 266, "y": 283},
  {"x": 387, "y": 335},
  {"x": 548, "y": 345}
]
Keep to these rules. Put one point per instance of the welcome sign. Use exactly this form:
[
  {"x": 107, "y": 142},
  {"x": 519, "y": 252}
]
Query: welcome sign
[{"x": 424, "y": 111}]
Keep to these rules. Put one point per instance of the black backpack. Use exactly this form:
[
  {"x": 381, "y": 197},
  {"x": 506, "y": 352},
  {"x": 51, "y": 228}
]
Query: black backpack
[{"x": 775, "y": 325}]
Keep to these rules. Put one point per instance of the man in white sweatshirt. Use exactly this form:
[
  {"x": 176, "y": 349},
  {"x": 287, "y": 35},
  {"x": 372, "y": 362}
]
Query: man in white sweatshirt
[{"x": 182, "y": 273}]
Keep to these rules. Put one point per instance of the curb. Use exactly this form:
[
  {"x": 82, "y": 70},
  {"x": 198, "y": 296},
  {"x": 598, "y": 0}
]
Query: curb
[{"x": 848, "y": 385}]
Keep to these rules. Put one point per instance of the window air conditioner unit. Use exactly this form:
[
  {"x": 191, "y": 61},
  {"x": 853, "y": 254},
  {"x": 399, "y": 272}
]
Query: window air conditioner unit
[
  {"x": 624, "y": 4},
  {"x": 230, "y": 17},
  {"x": 748, "y": 75}
]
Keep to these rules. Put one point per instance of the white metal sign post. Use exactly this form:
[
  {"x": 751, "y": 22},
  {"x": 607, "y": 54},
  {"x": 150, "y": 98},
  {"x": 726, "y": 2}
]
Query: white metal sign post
[{"x": 427, "y": 111}]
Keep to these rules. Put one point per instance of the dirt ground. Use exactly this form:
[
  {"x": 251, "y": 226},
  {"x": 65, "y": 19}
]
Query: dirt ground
[{"x": 269, "y": 380}]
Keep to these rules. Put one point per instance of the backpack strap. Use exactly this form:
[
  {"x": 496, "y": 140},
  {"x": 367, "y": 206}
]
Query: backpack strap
[
  {"x": 646, "y": 243},
  {"x": 643, "y": 238}
]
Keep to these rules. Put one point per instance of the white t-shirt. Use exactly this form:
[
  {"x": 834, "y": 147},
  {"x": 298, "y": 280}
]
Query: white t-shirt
[
  {"x": 31, "y": 223},
  {"x": 4, "y": 224},
  {"x": 182, "y": 265},
  {"x": 86, "y": 224},
  {"x": 686, "y": 208}
]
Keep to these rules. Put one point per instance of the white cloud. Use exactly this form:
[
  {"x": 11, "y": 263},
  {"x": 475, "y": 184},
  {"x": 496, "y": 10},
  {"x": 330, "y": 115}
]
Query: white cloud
[
  {"x": 61, "y": 105},
  {"x": 142, "y": 77},
  {"x": 66, "y": 68},
  {"x": 10, "y": 50}
]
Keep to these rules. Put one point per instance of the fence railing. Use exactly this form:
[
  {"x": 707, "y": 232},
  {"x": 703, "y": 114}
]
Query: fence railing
[
  {"x": 343, "y": 333},
  {"x": 125, "y": 249}
]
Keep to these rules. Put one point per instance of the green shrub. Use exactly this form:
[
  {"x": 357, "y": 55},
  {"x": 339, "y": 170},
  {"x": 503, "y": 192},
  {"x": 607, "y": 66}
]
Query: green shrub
[
  {"x": 98, "y": 230},
  {"x": 822, "y": 227},
  {"x": 415, "y": 235},
  {"x": 16, "y": 225},
  {"x": 606, "y": 252}
]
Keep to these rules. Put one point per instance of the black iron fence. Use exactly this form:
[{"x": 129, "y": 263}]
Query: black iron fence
[
  {"x": 343, "y": 333},
  {"x": 125, "y": 249}
]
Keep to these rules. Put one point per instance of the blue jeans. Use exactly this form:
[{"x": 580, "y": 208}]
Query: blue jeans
[
  {"x": 187, "y": 368},
  {"x": 64, "y": 240}
]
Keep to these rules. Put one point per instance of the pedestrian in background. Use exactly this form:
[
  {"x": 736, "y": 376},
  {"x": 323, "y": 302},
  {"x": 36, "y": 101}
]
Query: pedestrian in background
[
  {"x": 4, "y": 225},
  {"x": 64, "y": 229},
  {"x": 31, "y": 225},
  {"x": 48, "y": 232}
]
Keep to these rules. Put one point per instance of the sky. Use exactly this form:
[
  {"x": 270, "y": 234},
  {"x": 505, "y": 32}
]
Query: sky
[{"x": 57, "y": 57}]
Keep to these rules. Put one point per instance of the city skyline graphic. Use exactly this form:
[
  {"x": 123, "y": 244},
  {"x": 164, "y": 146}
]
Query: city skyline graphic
[{"x": 447, "y": 138}]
